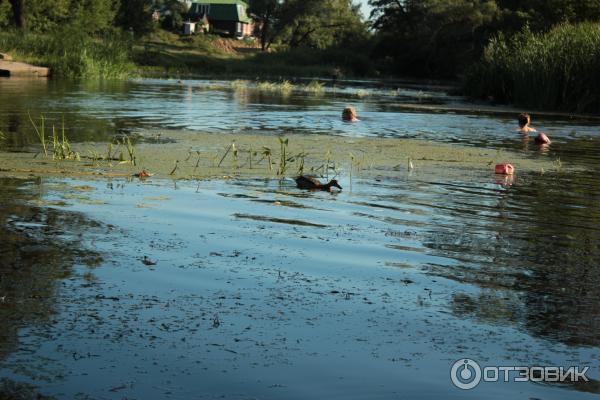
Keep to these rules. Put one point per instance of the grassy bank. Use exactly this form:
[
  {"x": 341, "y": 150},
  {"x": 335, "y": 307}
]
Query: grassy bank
[
  {"x": 169, "y": 54},
  {"x": 70, "y": 53},
  {"x": 557, "y": 70}
]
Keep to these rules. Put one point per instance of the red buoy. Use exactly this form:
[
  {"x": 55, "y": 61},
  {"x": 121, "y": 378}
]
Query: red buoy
[
  {"x": 505, "y": 169},
  {"x": 541, "y": 138}
]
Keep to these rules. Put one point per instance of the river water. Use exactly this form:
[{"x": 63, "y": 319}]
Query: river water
[{"x": 263, "y": 291}]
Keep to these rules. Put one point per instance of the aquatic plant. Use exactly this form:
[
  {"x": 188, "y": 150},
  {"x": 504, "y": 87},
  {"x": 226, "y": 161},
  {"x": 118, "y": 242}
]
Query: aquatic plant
[
  {"x": 94, "y": 155},
  {"x": 558, "y": 164},
  {"x": 555, "y": 70},
  {"x": 239, "y": 84},
  {"x": 315, "y": 87},
  {"x": 61, "y": 146},
  {"x": 266, "y": 86},
  {"x": 131, "y": 151},
  {"x": 300, "y": 159},
  {"x": 283, "y": 145},
  {"x": 124, "y": 143},
  {"x": 266, "y": 153},
  {"x": 284, "y": 88},
  {"x": 174, "y": 168},
  {"x": 232, "y": 145},
  {"x": 216, "y": 321},
  {"x": 41, "y": 134}
]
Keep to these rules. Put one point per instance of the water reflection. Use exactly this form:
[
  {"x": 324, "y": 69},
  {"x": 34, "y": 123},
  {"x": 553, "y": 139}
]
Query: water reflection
[
  {"x": 533, "y": 251},
  {"x": 39, "y": 246}
]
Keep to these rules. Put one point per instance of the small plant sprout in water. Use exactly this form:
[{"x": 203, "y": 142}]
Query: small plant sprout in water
[
  {"x": 216, "y": 321},
  {"x": 229, "y": 148},
  {"x": 95, "y": 156},
  {"x": 131, "y": 151},
  {"x": 300, "y": 159},
  {"x": 267, "y": 153},
  {"x": 40, "y": 132},
  {"x": 174, "y": 168},
  {"x": 558, "y": 164},
  {"x": 234, "y": 153},
  {"x": 351, "y": 166},
  {"x": 283, "y": 145},
  {"x": 61, "y": 149}
]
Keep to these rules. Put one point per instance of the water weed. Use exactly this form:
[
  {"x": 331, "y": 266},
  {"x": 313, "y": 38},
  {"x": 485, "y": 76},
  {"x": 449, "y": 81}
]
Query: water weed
[
  {"x": 41, "y": 133},
  {"x": 315, "y": 87}
]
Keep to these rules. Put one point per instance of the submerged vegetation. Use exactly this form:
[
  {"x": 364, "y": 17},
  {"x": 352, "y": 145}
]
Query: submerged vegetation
[{"x": 557, "y": 70}]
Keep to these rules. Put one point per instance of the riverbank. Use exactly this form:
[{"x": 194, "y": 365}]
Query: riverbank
[{"x": 22, "y": 70}]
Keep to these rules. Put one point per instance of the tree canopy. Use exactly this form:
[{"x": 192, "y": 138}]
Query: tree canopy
[{"x": 442, "y": 37}]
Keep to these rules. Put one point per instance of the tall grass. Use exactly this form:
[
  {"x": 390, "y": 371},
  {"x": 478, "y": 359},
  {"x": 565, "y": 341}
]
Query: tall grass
[
  {"x": 71, "y": 53},
  {"x": 557, "y": 70}
]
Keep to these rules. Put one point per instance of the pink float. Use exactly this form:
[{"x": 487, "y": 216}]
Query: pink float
[
  {"x": 505, "y": 169},
  {"x": 541, "y": 138}
]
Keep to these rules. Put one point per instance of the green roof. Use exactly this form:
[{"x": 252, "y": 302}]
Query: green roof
[{"x": 222, "y": 10}]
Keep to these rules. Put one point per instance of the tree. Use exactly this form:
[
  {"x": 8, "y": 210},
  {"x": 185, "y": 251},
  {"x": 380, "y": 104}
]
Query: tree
[
  {"x": 432, "y": 37},
  {"x": 136, "y": 15},
  {"x": 267, "y": 13},
  {"x": 173, "y": 11},
  {"x": 94, "y": 15},
  {"x": 18, "y": 7},
  {"x": 319, "y": 23},
  {"x": 5, "y": 13}
]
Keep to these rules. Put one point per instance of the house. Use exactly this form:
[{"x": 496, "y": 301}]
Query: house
[
  {"x": 226, "y": 17},
  {"x": 189, "y": 28}
]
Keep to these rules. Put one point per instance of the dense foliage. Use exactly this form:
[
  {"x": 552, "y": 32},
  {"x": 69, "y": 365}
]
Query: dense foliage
[
  {"x": 442, "y": 37},
  {"x": 316, "y": 24},
  {"x": 557, "y": 70}
]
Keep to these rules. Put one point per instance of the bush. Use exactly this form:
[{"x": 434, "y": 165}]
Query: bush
[{"x": 557, "y": 70}]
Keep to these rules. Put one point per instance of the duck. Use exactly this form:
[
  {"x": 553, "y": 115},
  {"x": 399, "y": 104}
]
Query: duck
[{"x": 312, "y": 183}]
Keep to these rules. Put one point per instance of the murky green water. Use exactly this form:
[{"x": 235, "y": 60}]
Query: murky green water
[{"x": 263, "y": 291}]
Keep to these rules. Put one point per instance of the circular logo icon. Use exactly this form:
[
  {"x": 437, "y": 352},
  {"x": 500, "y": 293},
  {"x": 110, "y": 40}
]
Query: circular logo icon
[{"x": 465, "y": 374}]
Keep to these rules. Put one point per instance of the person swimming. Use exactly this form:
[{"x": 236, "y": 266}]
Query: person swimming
[
  {"x": 349, "y": 114},
  {"x": 524, "y": 121}
]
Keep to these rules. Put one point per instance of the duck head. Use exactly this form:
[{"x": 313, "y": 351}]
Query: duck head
[{"x": 333, "y": 183}]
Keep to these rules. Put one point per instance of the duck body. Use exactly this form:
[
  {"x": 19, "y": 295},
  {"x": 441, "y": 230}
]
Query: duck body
[{"x": 312, "y": 183}]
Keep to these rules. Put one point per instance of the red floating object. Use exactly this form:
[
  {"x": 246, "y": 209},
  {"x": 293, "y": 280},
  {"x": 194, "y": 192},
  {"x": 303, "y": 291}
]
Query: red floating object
[
  {"x": 505, "y": 169},
  {"x": 542, "y": 138}
]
